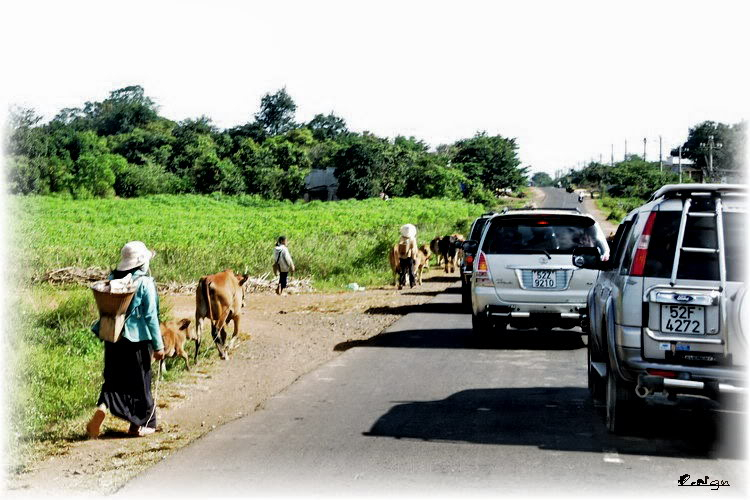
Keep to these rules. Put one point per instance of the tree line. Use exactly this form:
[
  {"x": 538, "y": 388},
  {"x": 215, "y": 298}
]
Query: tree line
[
  {"x": 636, "y": 178},
  {"x": 122, "y": 146}
]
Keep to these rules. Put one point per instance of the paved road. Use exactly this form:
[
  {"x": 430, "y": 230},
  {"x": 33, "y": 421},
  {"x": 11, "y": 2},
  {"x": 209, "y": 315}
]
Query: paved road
[
  {"x": 427, "y": 408},
  {"x": 559, "y": 198}
]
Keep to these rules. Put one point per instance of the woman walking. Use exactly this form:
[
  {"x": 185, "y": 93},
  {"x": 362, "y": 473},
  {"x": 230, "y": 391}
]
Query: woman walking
[
  {"x": 283, "y": 259},
  {"x": 126, "y": 391}
]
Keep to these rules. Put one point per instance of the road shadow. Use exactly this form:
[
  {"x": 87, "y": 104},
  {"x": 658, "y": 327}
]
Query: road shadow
[
  {"x": 434, "y": 293},
  {"x": 563, "y": 419},
  {"x": 427, "y": 307},
  {"x": 442, "y": 279},
  {"x": 464, "y": 338}
]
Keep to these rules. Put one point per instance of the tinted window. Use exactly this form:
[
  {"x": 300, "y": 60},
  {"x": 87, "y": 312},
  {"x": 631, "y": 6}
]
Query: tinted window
[
  {"x": 629, "y": 240},
  {"x": 476, "y": 231},
  {"x": 557, "y": 234},
  {"x": 700, "y": 232}
]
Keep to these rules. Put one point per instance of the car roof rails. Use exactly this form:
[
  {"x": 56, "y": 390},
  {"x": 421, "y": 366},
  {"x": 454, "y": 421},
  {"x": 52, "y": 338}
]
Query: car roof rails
[
  {"x": 491, "y": 213},
  {"x": 506, "y": 209},
  {"x": 685, "y": 190}
]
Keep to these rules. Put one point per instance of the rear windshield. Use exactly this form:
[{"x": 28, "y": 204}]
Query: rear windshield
[
  {"x": 555, "y": 234},
  {"x": 699, "y": 232},
  {"x": 476, "y": 231}
]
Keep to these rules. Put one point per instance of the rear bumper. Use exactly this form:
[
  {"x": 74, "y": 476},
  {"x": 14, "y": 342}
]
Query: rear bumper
[
  {"x": 486, "y": 301},
  {"x": 703, "y": 380}
]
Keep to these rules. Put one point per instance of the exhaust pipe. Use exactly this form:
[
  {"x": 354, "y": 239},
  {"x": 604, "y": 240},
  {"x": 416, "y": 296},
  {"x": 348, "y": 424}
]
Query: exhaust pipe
[{"x": 642, "y": 391}]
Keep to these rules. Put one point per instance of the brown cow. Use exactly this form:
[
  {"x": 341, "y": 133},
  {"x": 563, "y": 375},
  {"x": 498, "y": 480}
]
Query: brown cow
[
  {"x": 435, "y": 248},
  {"x": 425, "y": 249},
  {"x": 174, "y": 334},
  {"x": 220, "y": 297},
  {"x": 422, "y": 262}
]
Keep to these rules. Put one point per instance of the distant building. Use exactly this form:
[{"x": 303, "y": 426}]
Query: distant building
[
  {"x": 321, "y": 184},
  {"x": 690, "y": 172}
]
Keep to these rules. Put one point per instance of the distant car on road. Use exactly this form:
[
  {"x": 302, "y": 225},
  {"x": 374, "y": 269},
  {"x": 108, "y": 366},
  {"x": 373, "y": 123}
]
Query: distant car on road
[
  {"x": 666, "y": 308},
  {"x": 522, "y": 275}
]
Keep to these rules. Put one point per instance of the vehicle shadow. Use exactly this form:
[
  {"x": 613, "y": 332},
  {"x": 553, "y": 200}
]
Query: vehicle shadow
[
  {"x": 427, "y": 307},
  {"x": 435, "y": 293},
  {"x": 451, "y": 278},
  {"x": 463, "y": 338},
  {"x": 560, "y": 418}
]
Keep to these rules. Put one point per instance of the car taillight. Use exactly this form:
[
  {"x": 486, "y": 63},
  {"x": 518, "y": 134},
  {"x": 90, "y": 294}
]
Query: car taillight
[
  {"x": 482, "y": 275},
  {"x": 641, "y": 252},
  {"x": 482, "y": 265},
  {"x": 470, "y": 259}
]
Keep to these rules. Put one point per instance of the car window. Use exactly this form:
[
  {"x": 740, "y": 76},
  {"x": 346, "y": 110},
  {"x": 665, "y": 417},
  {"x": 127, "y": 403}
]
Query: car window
[
  {"x": 476, "y": 230},
  {"x": 628, "y": 241},
  {"x": 619, "y": 239},
  {"x": 556, "y": 234},
  {"x": 700, "y": 232}
]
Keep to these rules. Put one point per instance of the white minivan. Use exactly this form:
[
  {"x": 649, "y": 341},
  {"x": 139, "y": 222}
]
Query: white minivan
[{"x": 523, "y": 275}]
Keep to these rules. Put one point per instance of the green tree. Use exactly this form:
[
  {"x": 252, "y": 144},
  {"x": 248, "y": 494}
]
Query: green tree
[
  {"x": 327, "y": 126},
  {"x": 541, "y": 179},
  {"x": 729, "y": 158},
  {"x": 490, "y": 160},
  {"x": 276, "y": 115}
]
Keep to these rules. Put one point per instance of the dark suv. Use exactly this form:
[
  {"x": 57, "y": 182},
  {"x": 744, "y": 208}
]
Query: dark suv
[
  {"x": 469, "y": 253},
  {"x": 666, "y": 310}
]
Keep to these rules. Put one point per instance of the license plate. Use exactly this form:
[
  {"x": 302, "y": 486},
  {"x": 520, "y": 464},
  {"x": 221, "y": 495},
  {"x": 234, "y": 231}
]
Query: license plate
[
  {"x": 544, "y": 279},
  {"x": 677, "y": 318}
]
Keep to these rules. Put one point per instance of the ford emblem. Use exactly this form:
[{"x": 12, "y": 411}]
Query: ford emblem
[{"x": 683, "y": 298}]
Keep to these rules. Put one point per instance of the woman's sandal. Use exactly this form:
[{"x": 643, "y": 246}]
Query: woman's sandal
[{"x": 140, "y": 431}]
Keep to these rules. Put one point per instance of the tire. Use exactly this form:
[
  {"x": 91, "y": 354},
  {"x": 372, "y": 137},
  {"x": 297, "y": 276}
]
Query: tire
[
  {"x": 466, "y": 296},
  {"x": 620, "y": 403},
  {"x": 597, "y": 386}
]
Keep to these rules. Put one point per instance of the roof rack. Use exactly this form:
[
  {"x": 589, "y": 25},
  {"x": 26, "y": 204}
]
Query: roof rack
[
  {"x": 506, "y": 209},
  {"x": 685, "y": 190}
]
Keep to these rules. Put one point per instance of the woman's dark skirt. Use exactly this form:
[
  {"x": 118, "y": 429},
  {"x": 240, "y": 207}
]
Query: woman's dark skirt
[{"x": 127, "y": 382}]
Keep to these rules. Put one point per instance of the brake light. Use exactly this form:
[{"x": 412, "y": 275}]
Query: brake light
[
  {"x": 482, "y": 276},
  {"x": 641, "y": 252},
  {"x": 542, "y": 222},
  {"x": 470, "y": 259},
  {"x": 662, "y": 373},
  {"x": 482, "y": 265}
]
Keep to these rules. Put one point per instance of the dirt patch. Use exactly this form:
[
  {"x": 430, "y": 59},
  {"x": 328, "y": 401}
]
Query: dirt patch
[{"x": 281, "y": 339}]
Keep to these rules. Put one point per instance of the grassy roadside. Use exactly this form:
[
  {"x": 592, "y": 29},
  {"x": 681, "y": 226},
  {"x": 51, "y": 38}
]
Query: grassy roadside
[
  {"x": 617, "y": 208},
  {"x": 55, "y": 362}
]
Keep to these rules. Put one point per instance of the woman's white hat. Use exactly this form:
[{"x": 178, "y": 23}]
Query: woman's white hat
[{"x": 134, "y": 254}]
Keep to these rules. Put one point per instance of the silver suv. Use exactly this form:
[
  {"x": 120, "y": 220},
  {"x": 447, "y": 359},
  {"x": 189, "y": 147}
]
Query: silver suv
[
  {"x": 666, "y": 308},
  {"x": 522, "y": 275}
]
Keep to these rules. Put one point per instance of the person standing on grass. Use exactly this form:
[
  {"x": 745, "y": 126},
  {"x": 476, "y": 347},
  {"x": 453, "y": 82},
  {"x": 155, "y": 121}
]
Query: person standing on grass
[
  {"x": 126, "y": 391},
  {"x": 283, "y": 259}
]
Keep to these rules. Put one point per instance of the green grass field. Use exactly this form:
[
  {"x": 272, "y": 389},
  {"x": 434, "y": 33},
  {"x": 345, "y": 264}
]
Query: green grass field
[
  {"x": 335, "y": 243},
  {"x": 617, "y": 208},
  {"x": 56, "y": 362}
]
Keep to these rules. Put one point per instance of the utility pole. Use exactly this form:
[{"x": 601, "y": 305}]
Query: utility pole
[
  {"x": 625, "y": 156},
  {"x": 711, "y": 146},
  {"x": 661, "y": 163},
  {"x": 612, "y": 158},
  {"x": 644, "y": 149},
  {"x": 679, "y": 162},
  {"x": 600, "y": 158}
]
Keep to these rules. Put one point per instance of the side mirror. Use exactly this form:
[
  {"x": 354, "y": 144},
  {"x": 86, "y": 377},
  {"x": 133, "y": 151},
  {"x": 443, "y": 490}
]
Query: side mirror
[
  {"x": 589, "y": 258},
  {"x": 470, "y": 246}
]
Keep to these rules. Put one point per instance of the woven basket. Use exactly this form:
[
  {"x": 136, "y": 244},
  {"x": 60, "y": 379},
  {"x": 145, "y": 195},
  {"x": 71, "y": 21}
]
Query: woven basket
[{"x": 112, "y": 308}]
